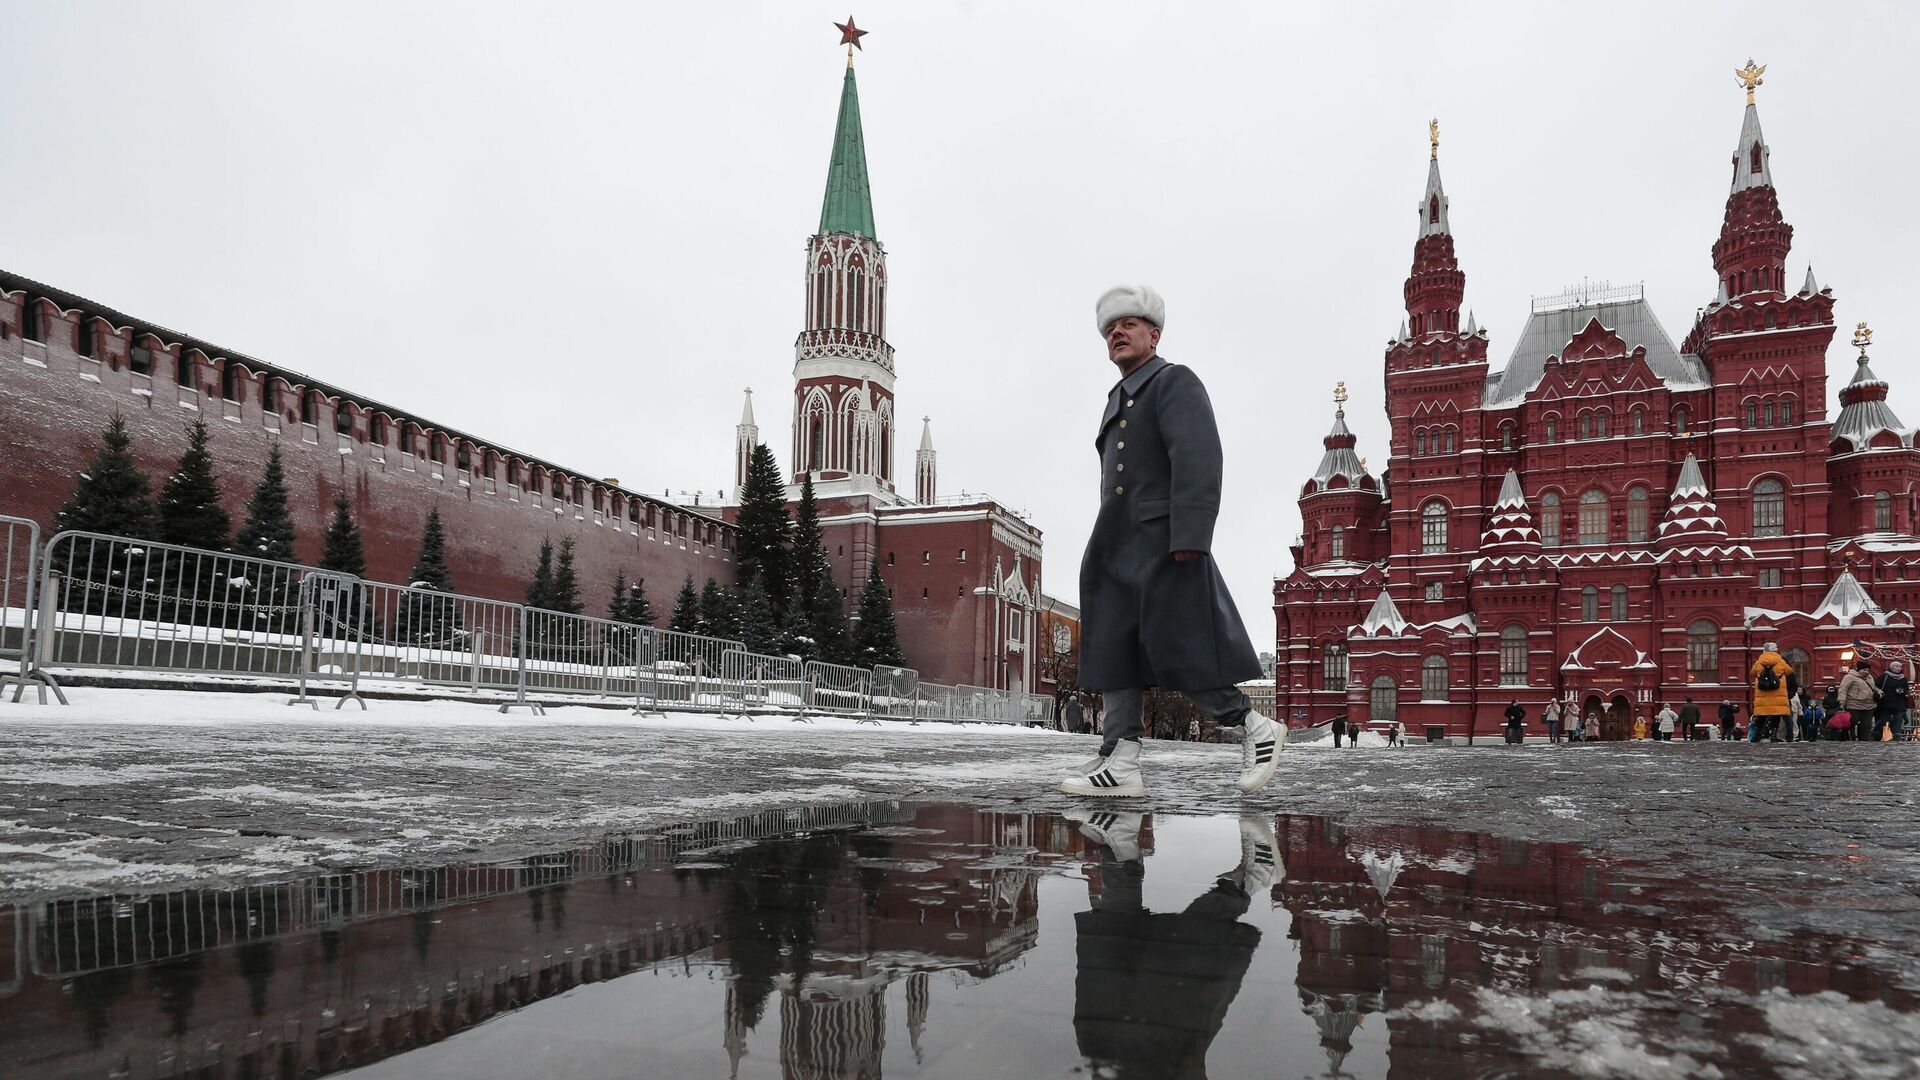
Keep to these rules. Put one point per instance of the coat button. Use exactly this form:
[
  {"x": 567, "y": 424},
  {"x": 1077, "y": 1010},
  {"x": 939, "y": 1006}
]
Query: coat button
[
  {"x": 1122, "y": 446},
  {"x": 1129, "y": 403},
  {"x": 1119, "y": 491},
  {"x": 1123, "y": 423},
  {"x": 1120, "y": 468}
]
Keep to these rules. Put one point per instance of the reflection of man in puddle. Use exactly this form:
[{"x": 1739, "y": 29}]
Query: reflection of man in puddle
[{"x": 1153, "y": 987}]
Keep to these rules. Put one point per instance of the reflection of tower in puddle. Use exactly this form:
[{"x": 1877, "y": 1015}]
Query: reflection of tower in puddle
[
  {"x": 1337, "y": 899},
  {"x": 833, "y": 1027}
]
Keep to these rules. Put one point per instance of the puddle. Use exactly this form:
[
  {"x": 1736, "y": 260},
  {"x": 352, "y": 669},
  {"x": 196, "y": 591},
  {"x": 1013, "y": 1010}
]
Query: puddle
[{"x": 941, "y": 940}]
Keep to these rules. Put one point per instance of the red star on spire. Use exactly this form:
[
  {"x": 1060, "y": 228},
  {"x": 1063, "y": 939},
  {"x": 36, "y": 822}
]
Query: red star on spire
[{"x": 851, "y": 34}]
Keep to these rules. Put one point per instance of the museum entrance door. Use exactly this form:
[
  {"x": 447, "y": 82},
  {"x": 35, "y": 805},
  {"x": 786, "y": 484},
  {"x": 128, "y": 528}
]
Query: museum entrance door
[{"x": 1618, "y": 724}]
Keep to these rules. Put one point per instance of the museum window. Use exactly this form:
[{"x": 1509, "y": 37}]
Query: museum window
[
  {"x": 1506, "y": 436},
  {"x": 1638, "y": 420},
  {"x": 1637, "y": 515},
  {"x": 1703, "y": 649},
  {"x": 1590, "y": 604},
  {"x": 1333, "y": 666},
  {"x": 1433, "y": 528},
  {"x": 1513, "y": 656},
  {"x": 1600, "y": 424},
  {"x": 1339, "y": 542},
  {"x": 1802, "y": 666},
  {"x": 1550, "y": 520},
  {"x": 1433, "y": 679},
  {"x": 1449, "y": 441},
  {"x": 1586, "y": 425},
  {"x": 1769, "y": 508},
  {"x": 1593, "y": 517},
  {"x": 1383, "y": 699},
  {"x": 1552, "y": 434},
  {"x": 1617, "y": 609},
  {"x": 1680, "y": 420},
  {"x": 1753, "y": 414},
  {"x": 1770, "y": 577},
  {"x": 1436, "y": 590},
  {"x": 1786, "y": 412},
  {"x": 1882, "y": 511},
  {"x": 1766, "y": 414},
  {"x": 1420, "y": 444}
]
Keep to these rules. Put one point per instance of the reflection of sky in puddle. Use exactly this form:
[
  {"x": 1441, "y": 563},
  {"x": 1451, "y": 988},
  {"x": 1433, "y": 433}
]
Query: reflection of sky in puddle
[{"x": 947, "y": 941}]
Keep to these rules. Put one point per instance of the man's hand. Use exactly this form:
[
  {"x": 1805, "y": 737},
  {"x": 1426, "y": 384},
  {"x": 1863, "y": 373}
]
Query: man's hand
[{"x": 1188, "y": 556}]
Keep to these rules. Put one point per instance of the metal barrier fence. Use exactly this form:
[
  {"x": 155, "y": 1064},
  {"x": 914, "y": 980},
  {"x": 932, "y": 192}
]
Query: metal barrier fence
[
  {"x": 754, "y": 681},
  {"x": 843, "y": 691},
  {"x": 91, "y": 600},
  {"x": 19, "y": 574},
  {"x": 110, "y": 602}
]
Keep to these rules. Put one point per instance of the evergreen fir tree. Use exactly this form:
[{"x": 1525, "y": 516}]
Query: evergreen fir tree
[
  {"x": 566, "y": 585},
  {"x": 796, "y": 631},
  {"x": 759, "y": 627},
  {"x": 617, "y": 603},
  {"x": 540, "y": 592},
  {"x": 268, "y": 532},
  {"x": 112, "y": 497},
  {"x": 761, "y": 526},
  {"x": 715, "y": 612},
  {"x": 813, "y": 585},
  {"x": 421, "y": 619},
  {"x": 189, "y": 504},
  {"x": 344, "y": 550},
  {"x": 877, "y": 640},
  {"x": 639, "y": 611},
  {"x": 686, "y": 610},
  {"x": 827, "y": 622}
]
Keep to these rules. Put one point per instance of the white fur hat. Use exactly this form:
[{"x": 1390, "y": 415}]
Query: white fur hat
[{"x": 1121, "y": 301}]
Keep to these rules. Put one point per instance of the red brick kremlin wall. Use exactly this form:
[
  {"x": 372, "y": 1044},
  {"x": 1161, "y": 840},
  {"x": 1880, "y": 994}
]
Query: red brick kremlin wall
[{"x": 67, "y": 365}]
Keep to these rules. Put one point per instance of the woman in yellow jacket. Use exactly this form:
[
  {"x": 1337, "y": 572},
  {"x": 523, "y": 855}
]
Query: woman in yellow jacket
[{"x": 1770, "y": 705}]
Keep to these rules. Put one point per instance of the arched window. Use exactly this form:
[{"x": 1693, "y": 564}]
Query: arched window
[
  {"x": 816, "y": 441},
  {"x": 1339, "y": 542},
  {"x": 1333, "y": 666},
  {"x": 1383, "y": 698},
  {"x": 1506, "y": 436},
  {"x": 1802, "y": 665},
  {"x": 1593, "y": 517},
  {"x": 1600, "y": 424},
  {"x": 1433, "y": 679},
  {"x": 1766, "y": 414},
  {"x": 1553, "y": 429},
  {"x": 1449, "y": 441},
  {"x": 1882, "y": 511},
  {"x": 1586, "y": 425},
  {"x": 1590, "y": 604},
  {"x": 1617, "y": 610},
  {"x": 1433, "y": 528},
  {"x": 1550, "y": 520},
  {"x": 1786, "y": 412},
  {"x": 1753, "y": 158},
  {"x": 1680, "y": 420},
  {"x": 1639, "y": 421},
  {"x": 1637, "y": 514},
  {"x": 1769, "y": 508},
  {"x": 1753, "y": 414},
  {"x": 1703, "y": 650},
  {"x": 1420, "y": 443},
  {"x": 1513, "y": 656}
]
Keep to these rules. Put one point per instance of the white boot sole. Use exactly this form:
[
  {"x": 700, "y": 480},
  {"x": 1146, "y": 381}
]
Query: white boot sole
[
  {"x": 1074, "y": 787},
  {"x": 1264, "y": 773}
]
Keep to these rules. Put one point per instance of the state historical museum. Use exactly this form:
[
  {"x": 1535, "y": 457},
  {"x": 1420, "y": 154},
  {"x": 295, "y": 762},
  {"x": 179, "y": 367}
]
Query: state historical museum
[{"x": 1611, "y": 520}]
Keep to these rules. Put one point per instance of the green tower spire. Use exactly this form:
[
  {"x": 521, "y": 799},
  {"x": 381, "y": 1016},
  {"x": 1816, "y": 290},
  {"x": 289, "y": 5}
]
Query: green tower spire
[{"x": 848, "y": 207}]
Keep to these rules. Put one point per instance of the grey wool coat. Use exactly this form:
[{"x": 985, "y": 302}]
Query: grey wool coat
[{"x": 1145, "y": 619}]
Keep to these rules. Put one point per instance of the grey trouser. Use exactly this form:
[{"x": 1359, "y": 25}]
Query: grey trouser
[{"x": 1125, "y": 708}]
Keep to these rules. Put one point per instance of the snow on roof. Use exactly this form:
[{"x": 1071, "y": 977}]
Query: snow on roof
[
  {"x": 1548, "y": 332},
  {"x": 1384, "y": 615},
  {"x": 1847, "y": 601}
]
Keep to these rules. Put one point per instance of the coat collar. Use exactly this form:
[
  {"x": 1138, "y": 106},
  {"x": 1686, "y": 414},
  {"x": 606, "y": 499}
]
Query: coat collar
[{"x": 1128, "y": 387}]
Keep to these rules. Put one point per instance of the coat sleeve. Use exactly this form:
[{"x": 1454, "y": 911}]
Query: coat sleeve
[{"x": 1193, "y": 450}]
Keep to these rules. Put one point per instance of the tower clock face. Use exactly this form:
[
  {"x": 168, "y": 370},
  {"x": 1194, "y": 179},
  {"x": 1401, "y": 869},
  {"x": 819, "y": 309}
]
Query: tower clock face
[{"x": 1062, "y": 639}]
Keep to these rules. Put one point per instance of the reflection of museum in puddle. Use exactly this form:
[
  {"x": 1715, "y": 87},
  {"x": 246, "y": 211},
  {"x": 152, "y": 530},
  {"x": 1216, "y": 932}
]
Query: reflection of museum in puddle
[
  {"x": 349, "y": 969},
  {"x": 1415, "y": 927}
]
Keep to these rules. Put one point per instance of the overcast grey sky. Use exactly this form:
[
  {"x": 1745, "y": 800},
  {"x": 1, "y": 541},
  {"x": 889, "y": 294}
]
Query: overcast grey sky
[{"x": 578, "y": 229}]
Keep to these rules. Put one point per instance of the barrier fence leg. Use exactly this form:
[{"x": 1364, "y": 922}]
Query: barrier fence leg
[
  {"x": 306, "y": 650},
  {"x": 359, "y": 644},
  {"x": 37, "y": 646},
  {"x": 479, "y": 659},
  {"x": 520, "y": 696}
]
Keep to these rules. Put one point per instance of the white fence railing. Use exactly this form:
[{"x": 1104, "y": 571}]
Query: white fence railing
[{"x": 109, "y": 603}]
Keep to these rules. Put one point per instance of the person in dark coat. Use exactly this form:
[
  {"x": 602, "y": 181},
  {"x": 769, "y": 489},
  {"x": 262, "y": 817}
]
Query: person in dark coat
[
  {"x": 1339, "y": 729},
  {"x": 1075, "y": 715},
  {"x": 1152, "y": 989},
  {"x": 1689, "y": 718},
  {"x": 1155, "y": 611},
  {"x": 1516, "y": 716}
]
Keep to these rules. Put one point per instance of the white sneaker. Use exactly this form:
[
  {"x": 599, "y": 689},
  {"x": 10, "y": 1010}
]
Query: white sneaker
[
  {"x": 1259, "y": 856},
  {"x": 1117, "y": 774},
  {"x": 1260, "y": 747},
  {"x": 1118, "y": 830}
]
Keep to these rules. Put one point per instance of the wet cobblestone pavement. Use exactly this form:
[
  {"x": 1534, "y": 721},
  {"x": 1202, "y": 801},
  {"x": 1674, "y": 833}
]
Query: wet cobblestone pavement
[{"x": 1777, "y": 884}]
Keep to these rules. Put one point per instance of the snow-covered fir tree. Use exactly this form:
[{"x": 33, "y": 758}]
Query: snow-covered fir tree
[
  {"x": 189, "y": 505},
  {"x": 877, "y": 640},
  {"x": 268, "y": 532},
  {"x": 112, "y": 496}
]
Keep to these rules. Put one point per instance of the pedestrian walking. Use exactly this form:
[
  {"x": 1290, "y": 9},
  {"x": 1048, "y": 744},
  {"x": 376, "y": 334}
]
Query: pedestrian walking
[
  {"x": 1339, "y": 730},
  {"x": 1728, "y": 712},
  {"x": 1859, "y": 698},
  {"x": 1896, "y": 697},
  {"x": 1155, "y": 609},
  {"x": 1550, "y": 717},
  {"x": 1396, "y": 733},
  {"x": 1193, "y": 731},
  {"x": 1516, "y": 717},
  {"x": 1689, "y": 719},
  {"x": 1076, "y": 715},
  {"x": 1768, "y": 679},
  {"x": 1664, "y": 722}
]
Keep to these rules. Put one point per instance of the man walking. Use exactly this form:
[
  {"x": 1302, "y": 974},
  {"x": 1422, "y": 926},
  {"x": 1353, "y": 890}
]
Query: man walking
[
  {"x": 1516, "y": 716},
  {"x": 1728, "y": 710},
  {"x": 1154, "y": 608},
  {"x": 1339, "y": 730},
  {"x": 1075, "y": 714},
  {"x": 1689, "y": 719}
]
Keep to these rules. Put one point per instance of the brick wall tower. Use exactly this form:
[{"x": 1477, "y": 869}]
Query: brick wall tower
[
  {"x": 843, "y": 423},
  {"x": 746, "y": 435}
]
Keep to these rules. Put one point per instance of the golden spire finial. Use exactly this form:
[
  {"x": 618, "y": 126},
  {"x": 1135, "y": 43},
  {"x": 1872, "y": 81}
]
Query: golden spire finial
[
  {"x": 1340, "y": 392},
  {"x": 1749, "y": 76},
  {"x": 1862, "y": 337},
  {"x": 1433, "y": 137}
]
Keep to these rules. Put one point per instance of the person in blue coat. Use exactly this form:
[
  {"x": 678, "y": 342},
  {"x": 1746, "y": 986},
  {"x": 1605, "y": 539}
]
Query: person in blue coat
[{"x": 1155, "y": 611}]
